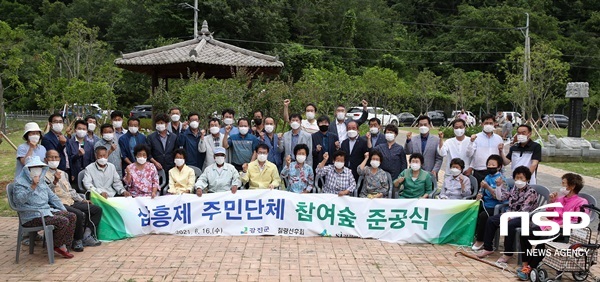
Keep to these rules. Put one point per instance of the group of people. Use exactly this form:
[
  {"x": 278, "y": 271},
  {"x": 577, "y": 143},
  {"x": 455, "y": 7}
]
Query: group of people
[{"x": 231, "y": 154}]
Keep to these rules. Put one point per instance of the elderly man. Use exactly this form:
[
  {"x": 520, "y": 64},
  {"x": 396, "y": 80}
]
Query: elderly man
[
  {"x": 339, "y": 125},
  {"x": 111, "y": 143},
  {"x": 271, "y": 139},
  {"x": 219, "y": 176},
  {"x": 426, "y": 145},
  {"x": 355, "y": 147},
  {"x": 294, "y": 137},
  {"x": 58, "y": 182},
  {"x": 102, "y": 177},
  {"x": 261, "y": 173},
  {"x": 211, "y": 141},
  {"x": 242, "y": 144},
  {"x": 189, "y": 140}
]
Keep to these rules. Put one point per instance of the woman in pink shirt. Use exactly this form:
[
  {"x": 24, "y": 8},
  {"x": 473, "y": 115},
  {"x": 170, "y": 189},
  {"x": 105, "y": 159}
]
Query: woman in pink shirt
[
  {"x": 571, "y": 202},
  {"x": 141, "y": 177}
]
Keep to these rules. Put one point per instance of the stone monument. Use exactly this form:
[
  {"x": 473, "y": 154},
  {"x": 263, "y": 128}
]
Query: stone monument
[{"x": 576, "y": 91}]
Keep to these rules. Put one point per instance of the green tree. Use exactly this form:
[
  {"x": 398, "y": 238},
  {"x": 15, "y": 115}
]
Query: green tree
[{"x": 11, "y": 44}]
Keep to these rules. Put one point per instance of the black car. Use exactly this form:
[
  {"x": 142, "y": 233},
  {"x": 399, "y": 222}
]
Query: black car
[
  {"x": 141, "y": 111},
  {"x": 561, "y": 120},
  {"x": 406, "y": 119},
  {"x": 438, "y": 118}
]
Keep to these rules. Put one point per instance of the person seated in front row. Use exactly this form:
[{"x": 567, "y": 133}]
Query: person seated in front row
[
  {"x": 522, "y": 198},
  {"x": 456, "y": 185},
  {"x": 219, "y": 176},
  {"x": 102, "y": 177},
  {"x": 32, "y": 193},
  {"x": 85, "y": 225},
  {"x": 568, "y": 196},
  {"x": 375, "y": 184},
  {"x": 300, "y": 175},
  {"x": 338, "y": 178},
  {"x": 181, "y": 177},
  {"x": 261, "y": 173},
  {"x": 417, "y": 182},
  {"x": 141, "y": 177}
]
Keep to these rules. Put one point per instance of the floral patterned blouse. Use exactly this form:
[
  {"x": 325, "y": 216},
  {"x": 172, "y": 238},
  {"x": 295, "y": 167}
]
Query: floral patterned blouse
[
  {"x": 524, "y": 199},
  {"x": 143, "y": 180},
  {"x": 299, "y": 179},
  {"x": 373, "y": 183}
]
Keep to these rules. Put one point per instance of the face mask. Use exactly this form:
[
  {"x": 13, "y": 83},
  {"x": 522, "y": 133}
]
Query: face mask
[
  {"x": 310, "y": 115},
  {"x": 375, "y": 164},
  {"x": 295, "y": 125},
  {"x": 175, "y": 118},
  {"x": 300, "y": 158},
  {"x": 228, "y": 121},
  {"x": 57, "y": 127},
  {"x": 323, "y": 128},
  {"x": 492, "y": 170},
  {"x": 80, "y": 133},
  {"x": 108, "y": 136},
  {"x": 179, "y": 162},
  {"x": 374, "y": 130},
  {"x": 415, "y": 166},
  {"x": 563, "y": 191},
  {"x": 488, "y": 128},
  {"x": 424, "y": 129},
  {"x": 35, "y": 171},
  {"x": 459, "y": 132},
  {"x": 220, "y": 160},
  {"x": 520, "y": 184},
  {"x": 243, "y": 130},
  {"x": 269, "y": 128},
  {"x": 133, "y": 129},
  {"x": 194, "y": 124},
  {"x": 339, "y": 165},
  {"x": 455, "y": 171},
  {"x": 522, "y": 138},
  {"x": 340, "y": 115},
  {"x": 141, "y": 160},
  {"x": 352, "y": 133},
  {"x": 102, "y": 161},
  {"x": 262, "y": 157},
  {"x": 91, "y": 126},
  {"x": 161, "y": 127},
  {"x": 390, "y": 137},
  {"x": 214, "y": 130},
  {"x": 34, "y": 139},
  {"x": 53, "y": 164},
  {"x": 117, "y": 123},
  {"x": 257, "y": 121}
]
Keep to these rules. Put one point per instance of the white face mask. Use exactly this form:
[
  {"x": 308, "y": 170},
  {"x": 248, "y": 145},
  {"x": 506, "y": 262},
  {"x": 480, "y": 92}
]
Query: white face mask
[
  {"x": 269, "y": 128},
  {"x": 133, "y": 129},
  {"x": 140, "y": 160},
  {"x": 375, "y": 164},
  {"x": 310, "y": 115},
  {"x": 390, "y": 137},
  {"x": 57, "y": 127},
  {"x": 117, "y": 123},
  {"x": 194, "y": 124},
  {"x": 374, "y": 130},
  {"x": 220, "y": 160},
  {"x": 459, "y": 132},
  {"x": 175, "y": 118},
  {"x": 424, "y": 129},
  {"x": 522, "y": 138},
  {"x": 415, "y": 166},
  {"x": 340, "y": 115},
  {"x": 262, "y": 157},
  {"x": 243, "y": 130},
  {"x": 520, "y": 184},
  {"x": 108, "y": 136},
  {"x": 214, "y": 130},
  {"x": 34, "y": 139},
  {"x": 53, "y": 164},
  {"x": 352, "y": 133},
  {"x": 295, "y": 125},
  {"x": 488, "y": 128},
  {"x": 228, "y": 121},
  {"x": 80, "y": 133},
  {"x": 338, "y": 165},
  {"x": 91, "y": 126},
  {"x": 35, "y": 171},
  {"x": 300, "y": 158},
  {"x": 179, "y": 162},
  {"x": 102, "y": 161},
  {"x": 563, "y": 191},
  {"x": 455, "y": 171},
  {"x": 161, "y": 127}
]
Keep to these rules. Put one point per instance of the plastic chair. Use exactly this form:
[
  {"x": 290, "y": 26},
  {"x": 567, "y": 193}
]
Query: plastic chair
[
  {"x": 319, "y": 183},
  {"x": 197, "y": 173},
  {"x": 32, "y": 231},
  {"x": 474, "y": 188},
  {"x": 360, "y": 181},
  {"x": 80, "y": 188},
  {"x": 591, "y": 201},
  {"x": 162, "y": 180},
  {"x": 435, "y": 191},
  {"x": 390, "y": 184}
]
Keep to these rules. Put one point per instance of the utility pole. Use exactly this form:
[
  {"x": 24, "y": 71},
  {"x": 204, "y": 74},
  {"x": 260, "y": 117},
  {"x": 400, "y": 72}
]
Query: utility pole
[
  {"x": 195, "y": 8},
  {"x": 527, "y": 64}
]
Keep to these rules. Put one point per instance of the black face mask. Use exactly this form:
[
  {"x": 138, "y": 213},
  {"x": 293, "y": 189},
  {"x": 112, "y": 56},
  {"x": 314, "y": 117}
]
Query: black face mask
[
  {"x": 257, "y": 121},
  {"x": 323, "y": 128},
  {"x": 492, "y": 170}
]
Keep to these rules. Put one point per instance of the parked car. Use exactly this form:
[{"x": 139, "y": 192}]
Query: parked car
[
  {"x": 382, "y": 114},
  {"x": 471, "y": 119},
  {"x": 516, "y": 118},
  {"x": 141, "y": 111},
  {"x": 81, "y": 111},
  {"x": 561, "y": 120},
  {"x": 438, "y": 118},
  {"x": 406, "y": 119}
]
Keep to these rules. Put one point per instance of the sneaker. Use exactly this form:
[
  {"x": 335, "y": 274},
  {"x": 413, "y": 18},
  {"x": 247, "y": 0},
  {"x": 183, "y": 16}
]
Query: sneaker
[
  {"x": 90, "y": 241},
  {"x": 64, "y": 254},
  {"x": 77, "y": 246},
  {"x": 484, "y": 253},
  {"x": 476, "y": 247},
  {"x": 523, "y": 273}
]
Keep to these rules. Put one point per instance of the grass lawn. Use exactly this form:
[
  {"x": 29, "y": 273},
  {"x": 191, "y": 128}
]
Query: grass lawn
[
  {"x": 433, "y": 131},
  {"x": 584, "y": 168}
]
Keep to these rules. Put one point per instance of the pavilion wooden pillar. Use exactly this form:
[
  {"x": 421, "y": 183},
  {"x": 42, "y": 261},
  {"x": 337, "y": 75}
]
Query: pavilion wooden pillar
[{"x": 154, "y": 81}]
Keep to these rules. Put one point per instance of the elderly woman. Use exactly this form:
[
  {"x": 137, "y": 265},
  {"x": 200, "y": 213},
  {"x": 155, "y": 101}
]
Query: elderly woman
[
  {"x": 32, "y": 192},
  {"x": 375, "y": 179},
  {"x": 31, "y": 147},
  {"x": 300, "y": 175},
  {"x": 182, "y": 177},
  {"x": 456, "y": 185},
  {"x": 417, "y": 182},
  {"x": 141, "y": 177}
]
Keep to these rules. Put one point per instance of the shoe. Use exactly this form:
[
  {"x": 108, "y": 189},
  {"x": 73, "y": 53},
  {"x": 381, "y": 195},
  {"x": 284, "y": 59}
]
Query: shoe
[
  {"x": 523, "y": 273},
  {"x": 39, "y": 237},
  {"x": 90, "y": 241},
  {"x": 484, "y": 253},
  {"x": 77, "y": 246},
  {"x": 25, "y": 242},
  {"x": 504, "y": 259},
  {"x": 64, "y": 254},
  {"x": 475, "y": 247}
]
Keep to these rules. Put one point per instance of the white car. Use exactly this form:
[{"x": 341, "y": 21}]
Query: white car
[
  {"x": 516, "y": 118},
  {"x": 471, "y": 119},
  {"x": 383, "y": 115}
]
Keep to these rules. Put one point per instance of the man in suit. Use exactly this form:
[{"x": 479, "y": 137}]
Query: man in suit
[
  {"x": 294, "y": 137},
  {"x": 355, "y": 148},
  {"x": 212, "y": 140},
  {"x": 339, "y": 126},
  {"x": 323, "y": 142},
  {"x": 425, "y": 144},
  {"x": 162, "y": 145},
  {"x": 55, "y": 140},
  {"x": 374, "y": 136}
]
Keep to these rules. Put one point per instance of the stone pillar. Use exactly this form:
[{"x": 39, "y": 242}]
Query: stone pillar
[{"x": 576, "y": 91}]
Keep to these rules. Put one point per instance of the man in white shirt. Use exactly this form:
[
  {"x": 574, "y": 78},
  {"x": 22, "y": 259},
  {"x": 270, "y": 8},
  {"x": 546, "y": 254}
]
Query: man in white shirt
[
  {"x": 211, "y": 142},
  {"x": 456, "y": 147},
  {"x": 309, "y": 125},
  {"x": 483, "y": 145}
]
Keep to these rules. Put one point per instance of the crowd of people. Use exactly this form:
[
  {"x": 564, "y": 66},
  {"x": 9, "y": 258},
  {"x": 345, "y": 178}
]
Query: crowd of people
[{"x": 231, "y": 154}]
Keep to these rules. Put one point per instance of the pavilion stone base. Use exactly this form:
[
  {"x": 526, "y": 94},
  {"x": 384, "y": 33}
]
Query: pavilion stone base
[{"x": 570, "y": 149}]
